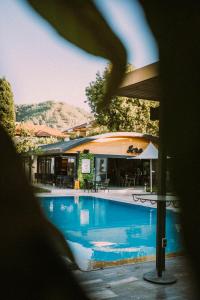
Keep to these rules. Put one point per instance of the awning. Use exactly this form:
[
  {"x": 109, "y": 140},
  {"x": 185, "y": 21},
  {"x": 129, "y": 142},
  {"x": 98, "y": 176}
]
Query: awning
[{"x": 112, "y": 156}]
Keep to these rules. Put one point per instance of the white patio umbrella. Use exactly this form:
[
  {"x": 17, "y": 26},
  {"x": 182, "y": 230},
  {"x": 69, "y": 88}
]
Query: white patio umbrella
[{"x": 150, "y": 152}]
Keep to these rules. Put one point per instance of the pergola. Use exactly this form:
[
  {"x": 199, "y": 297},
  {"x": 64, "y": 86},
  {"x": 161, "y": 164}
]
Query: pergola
[{"x": 143, "y": 83}]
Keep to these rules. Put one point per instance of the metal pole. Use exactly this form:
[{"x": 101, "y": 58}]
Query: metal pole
[
  {"x": 77, "y": 164},
  {"x": 151, "y": 175},
  {"x": 161, "y": 205},
  {"x": 160, "y": 276},
  {"x": 160, "y": 238}
]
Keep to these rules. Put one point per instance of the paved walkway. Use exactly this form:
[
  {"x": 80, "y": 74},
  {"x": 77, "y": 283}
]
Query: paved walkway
[
  {"x": 113, "y": 190},
  {"x": 121, "y": 194},
  {"x": 126, "y": 282},
  {"x": 115, "y": 193}
]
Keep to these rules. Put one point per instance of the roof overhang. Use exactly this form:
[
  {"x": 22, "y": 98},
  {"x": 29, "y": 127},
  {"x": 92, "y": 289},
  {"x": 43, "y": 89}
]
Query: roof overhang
[
  {"x": 113, "y": 156},
  {"x": 142, "y": 83},
  {"x": 63, "y": 147}
]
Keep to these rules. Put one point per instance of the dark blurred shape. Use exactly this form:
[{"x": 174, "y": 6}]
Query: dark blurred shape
[
  {"x": 31, "y": 249},
  {"x": 176, "y": 27},
  {"x": 154, "y": 113}
]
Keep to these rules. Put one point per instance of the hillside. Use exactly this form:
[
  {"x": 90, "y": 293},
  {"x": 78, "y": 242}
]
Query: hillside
[{"x": 58, "y": 115}]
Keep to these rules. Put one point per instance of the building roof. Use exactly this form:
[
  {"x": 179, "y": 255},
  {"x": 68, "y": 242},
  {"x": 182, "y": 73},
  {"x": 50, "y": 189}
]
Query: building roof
[
  {"x": 77, "y": 127},
  {"x": 124, "y": 134},
  {"x": 61, "y": 147},
  {"x": 38, "y": 130}
]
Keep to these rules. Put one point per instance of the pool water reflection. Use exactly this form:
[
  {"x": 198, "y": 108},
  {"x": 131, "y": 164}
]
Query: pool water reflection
[{"x": 102, "y": 232}]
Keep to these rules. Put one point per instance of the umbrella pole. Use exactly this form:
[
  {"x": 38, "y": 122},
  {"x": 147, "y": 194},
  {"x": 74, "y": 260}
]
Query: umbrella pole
[
  {"x": 151, "y": 189},
  {"x": 160, "y": 275}
]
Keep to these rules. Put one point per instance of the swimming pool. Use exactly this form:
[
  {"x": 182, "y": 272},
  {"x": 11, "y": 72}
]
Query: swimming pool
[{"x": 103, "y": 232}]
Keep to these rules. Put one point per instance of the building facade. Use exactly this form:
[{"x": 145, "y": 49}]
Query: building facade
[{"x": 112, "y": 155}]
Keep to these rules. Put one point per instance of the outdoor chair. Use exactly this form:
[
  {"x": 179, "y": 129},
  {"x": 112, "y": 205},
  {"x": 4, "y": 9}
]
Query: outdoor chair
[
  {"x": 88, "y": 185},
  {"x": 98, "y": 183},
  {"x": 58, "y": 181},
  {"x": 67, "y": 182},
  {"x": 105, "y": 184},
  {"x": 37, "y": 177}
]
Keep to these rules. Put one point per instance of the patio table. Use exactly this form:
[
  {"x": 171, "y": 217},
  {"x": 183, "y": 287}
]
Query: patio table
[{"x": 160, "y": 275}]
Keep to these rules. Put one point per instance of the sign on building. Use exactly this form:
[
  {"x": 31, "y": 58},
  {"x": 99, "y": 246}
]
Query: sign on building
[{"x": 85, "y": 166}]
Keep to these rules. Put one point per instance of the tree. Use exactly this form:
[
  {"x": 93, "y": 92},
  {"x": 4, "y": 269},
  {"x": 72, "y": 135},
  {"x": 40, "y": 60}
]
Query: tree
[
  {"x": 7, "y": 111},
  {"x": 123, "y": 114},
  {"x": 26, "y": 143}
]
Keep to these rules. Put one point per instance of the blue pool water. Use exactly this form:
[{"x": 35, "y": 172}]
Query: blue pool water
[{"x": 102, "y": 232}]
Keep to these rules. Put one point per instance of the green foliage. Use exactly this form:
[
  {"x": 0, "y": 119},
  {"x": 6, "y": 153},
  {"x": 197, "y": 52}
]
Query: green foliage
[
  {"x": 25, "y": 144},
  {"x": 7, "y": 112},
  {"x": 25, "y": 112},
  {"x": 53, "y": 114},
  {"x": 90, "y": 175},
  {"x": 24, "y": 132},
  {"x": 97, "y": 129},
  {"x": 123, "y": 114}
]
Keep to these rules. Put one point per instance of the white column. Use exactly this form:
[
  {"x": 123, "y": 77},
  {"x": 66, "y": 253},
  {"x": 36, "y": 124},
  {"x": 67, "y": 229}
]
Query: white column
[
  {"x": 33, "y": 167},
  {"x": 52, "y": 165}
]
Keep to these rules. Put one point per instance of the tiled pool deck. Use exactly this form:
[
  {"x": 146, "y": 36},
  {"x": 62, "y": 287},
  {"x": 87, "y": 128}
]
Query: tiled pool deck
[
  {"x": 126, "y": 282},
  {"x": 118, "y": 194}
]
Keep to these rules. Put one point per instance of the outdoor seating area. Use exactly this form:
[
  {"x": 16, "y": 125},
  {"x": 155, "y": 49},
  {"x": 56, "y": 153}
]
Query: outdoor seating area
[
  {"x": 44, "y": 178},
  {"x": 61, "y": 181},
  {"x": 131, "y": 180},
  {"x": 95, "y": 185}
]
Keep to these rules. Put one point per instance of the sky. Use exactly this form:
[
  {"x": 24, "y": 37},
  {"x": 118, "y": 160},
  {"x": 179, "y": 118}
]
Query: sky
[{"x": 42, "y": 66}]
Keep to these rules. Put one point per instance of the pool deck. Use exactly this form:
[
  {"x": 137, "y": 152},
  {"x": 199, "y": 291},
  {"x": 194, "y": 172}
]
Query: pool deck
[
  {"x": 112, "y": 192},
  {"x": 126, "y": 282},
  {"x": 124, "y": 195}
]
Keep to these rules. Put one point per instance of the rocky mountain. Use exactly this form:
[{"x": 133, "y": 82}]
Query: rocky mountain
[{"x": 58, "y": 115}]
